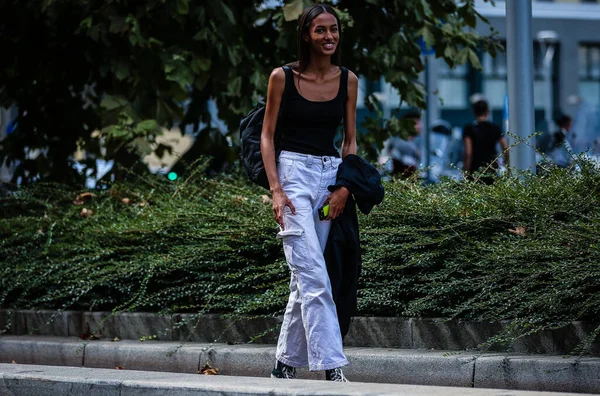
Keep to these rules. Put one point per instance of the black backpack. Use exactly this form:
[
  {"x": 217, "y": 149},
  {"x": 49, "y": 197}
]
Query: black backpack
[{"x": 250, "y": 132}]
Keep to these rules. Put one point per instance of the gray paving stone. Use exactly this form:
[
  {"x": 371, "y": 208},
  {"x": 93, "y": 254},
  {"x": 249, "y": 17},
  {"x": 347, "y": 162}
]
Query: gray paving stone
[
  {"x": 541, "y": 373},
  {"x": 379, "y": 332},
  {"x": 222, "y": 329},
  {"x": 46, "y": 322},
  {"x": 34, "y": 387},
  {"x": 366, "y": 365},
  {"x": 247, "y": 360},
  {"x": 127, "y": 325},
  {"x": 445, "y": 334},
  {"x": 148, "y": 355},
  {"x": 410, "y": 367},
  {"x": 34, "y": 380},
  {"x": 41, "y": 350},
  {"x": 4, "y": 391}
]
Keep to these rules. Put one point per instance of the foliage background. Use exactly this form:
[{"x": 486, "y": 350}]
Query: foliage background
[
  {"x": 128, "y": 68},
  {"x": 524, "y": 249}
]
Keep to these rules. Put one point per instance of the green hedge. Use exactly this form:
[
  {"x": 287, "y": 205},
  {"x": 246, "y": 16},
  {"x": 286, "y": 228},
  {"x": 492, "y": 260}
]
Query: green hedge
[{"x": 525, "y": 248}]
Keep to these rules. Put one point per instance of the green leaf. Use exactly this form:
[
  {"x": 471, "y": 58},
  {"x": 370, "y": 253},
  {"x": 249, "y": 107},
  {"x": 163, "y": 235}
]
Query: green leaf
[
  {"x": 293, "y": 10},
  {"x": 135, "y": 36},
  {"x": 201, "y": 64},
  {"x": 169, "y": 67},
  {"x": 202, "y": 35},
  {"x": 426, "y": 9},
  {"x": 86, "y": 23},
  {"x": 448, "y": 29},
  {"x": 121, "y": 70},
  {"x": 183, "y": 7},
  {"x": 141, "y": 146},
  {"x": 234, "y": 55},
  {"x": 427, "y": 36},
  {"x": 234, "y": 87},
  {"x": 474, "y": 59},
  {"x": 228, "y": 12},
  {"x": 176, "y": 70},
  {"x": 125, "y": 119},
  {"x": 258, "y": 79},
  {"x": 154, "y": 42},
  {"x": 110, "y": 102},
  {"x": 148, "y": 126},
  {"x": 462, "y": 56},
  {"x": 468, "y": 15},
  {"x": 450, "y": 55}
]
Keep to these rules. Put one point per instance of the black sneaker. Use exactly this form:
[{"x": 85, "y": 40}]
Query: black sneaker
[
  {"x": 282, "y": 370},
  {"x": 335, "y": 375}
]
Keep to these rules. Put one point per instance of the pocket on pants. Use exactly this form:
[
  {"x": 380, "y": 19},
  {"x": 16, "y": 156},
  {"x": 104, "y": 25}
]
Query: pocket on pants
[
  {"x": 295, "y": 248},
  {"x": 285, "y": 169}
]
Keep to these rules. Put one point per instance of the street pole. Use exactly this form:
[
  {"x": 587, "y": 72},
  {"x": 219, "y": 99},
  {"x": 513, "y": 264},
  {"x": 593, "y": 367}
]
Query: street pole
[
  {"x": 549, "y": 92},
  {"x": 426, "y": 126},
  {"x": 519, "y": 43},
  {"x": 548, "y": 40}
]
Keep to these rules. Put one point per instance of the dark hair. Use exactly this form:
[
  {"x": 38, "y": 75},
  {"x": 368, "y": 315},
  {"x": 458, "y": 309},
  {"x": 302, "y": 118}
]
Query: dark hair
[
  {"x": 480, "y": 108},
  {"x": 306, "y": 19},
  {"x": 412, "y": 113},
  {"x": 563, "y": 121}
]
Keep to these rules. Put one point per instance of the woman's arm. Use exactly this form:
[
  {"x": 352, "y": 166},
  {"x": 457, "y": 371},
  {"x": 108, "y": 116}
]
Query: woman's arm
[
  {"x": 349, "y": 143},
  {"x": 337, "y": 199},
  {"x": 468, "y": 153},
  {"x": 267, "y": 144}
]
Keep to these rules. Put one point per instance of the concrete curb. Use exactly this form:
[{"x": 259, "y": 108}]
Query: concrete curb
[
  {"x": 17, "y": 379},
  {"x": 379, "y": 365},
  {"x": 412, "y": 333}
]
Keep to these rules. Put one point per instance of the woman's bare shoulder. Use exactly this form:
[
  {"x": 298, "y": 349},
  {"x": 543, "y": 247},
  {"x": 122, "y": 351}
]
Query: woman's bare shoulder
[
  {"x": 352, "y": 78},
  {"x": 277, "y": 77},
  {"x": 278, "y": 73}
]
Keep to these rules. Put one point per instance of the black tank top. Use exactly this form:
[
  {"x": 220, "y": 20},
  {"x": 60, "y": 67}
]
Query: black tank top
[{"x": 309, "y": 127}]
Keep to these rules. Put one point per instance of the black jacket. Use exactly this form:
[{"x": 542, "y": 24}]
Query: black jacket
[{"x": 342, "y": 252}]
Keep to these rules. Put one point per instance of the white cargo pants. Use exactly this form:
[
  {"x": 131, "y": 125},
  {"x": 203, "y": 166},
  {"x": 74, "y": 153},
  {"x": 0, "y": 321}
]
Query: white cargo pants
[{"x": 310, "y": 333}]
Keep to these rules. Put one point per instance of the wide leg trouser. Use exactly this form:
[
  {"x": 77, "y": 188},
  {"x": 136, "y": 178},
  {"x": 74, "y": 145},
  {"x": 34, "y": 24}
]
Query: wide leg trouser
[{"x": 310, "y": 334}]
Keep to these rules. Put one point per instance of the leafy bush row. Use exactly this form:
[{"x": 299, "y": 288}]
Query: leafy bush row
[{"x": 525, "y": 248}]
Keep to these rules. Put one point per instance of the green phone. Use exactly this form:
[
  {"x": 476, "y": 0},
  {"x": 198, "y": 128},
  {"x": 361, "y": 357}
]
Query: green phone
[{"x": 323, "y": 212}]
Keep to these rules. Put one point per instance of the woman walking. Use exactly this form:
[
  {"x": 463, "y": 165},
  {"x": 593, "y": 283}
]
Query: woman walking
[{"x": 308, "y": 102}]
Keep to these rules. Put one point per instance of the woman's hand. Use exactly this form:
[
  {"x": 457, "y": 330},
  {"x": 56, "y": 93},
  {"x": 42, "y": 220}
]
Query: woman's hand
[
  {"x": 280, "y": 201},
  {"x": 337, "y": 202}
]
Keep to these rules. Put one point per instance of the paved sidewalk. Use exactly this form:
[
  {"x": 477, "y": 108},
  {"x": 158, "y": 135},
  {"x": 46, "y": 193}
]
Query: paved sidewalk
[
  {"x": 29, "y": 380},
  {"x": 378, "y": 365}
]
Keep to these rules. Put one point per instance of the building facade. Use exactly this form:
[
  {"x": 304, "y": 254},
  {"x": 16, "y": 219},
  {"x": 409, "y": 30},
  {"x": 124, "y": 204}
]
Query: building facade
[{"x": 575, "y": 78}]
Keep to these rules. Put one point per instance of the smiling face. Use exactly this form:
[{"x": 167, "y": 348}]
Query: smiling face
[
  {"x": 323, "y": 35},
  {"x": 319, "y": 34}
]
